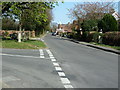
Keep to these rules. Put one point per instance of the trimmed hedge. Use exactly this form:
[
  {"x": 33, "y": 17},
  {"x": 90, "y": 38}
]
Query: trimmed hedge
[
  {"x": 91, "y": 36},
  {"x": 111, "y": 38}
]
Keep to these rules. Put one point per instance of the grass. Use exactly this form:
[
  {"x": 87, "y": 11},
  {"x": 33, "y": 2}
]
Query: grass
[
  {"x": 108, "y": 46},
  {"x": 29, "y": 44}
]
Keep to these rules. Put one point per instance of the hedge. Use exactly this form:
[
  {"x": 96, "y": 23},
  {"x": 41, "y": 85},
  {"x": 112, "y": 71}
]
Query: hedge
[{"x": 111, "y": 38}]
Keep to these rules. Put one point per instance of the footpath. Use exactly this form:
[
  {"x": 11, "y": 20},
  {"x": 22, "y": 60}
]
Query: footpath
[{"x": 94, "y": 46}]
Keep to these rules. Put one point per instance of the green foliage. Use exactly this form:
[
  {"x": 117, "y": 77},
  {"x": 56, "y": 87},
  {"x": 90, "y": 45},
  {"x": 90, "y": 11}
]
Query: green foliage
[
  {"x": 5, "y": 34},
  {"x": 9, "y": 24},
  {"x": 92, "y": 37},
  {"x": 89, "y": 25},
  {"x": 108, "y": 23},
  {"x": 31, "y": 15}
]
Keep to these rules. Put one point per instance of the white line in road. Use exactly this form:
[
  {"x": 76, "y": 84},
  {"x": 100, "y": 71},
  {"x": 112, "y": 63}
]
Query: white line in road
[
  {"x": 42, "y": 56},
  {"x": 65, "y": 80},
  {"x": 58, "y": 68},
  {"x": 61, "y": 74},
  {"x": 41, "y": 52},
  {"x": 52, "y": 57},
  {"x": 18, "y": 55},
  {"x": 55, "y": 64},
  {"x": 68, "y": 86},
  {"x": 53, "y": 60}
]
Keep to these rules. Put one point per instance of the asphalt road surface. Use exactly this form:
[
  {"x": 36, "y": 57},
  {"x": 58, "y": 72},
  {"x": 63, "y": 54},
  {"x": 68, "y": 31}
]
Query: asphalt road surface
[{"x": 64, "y": 64}]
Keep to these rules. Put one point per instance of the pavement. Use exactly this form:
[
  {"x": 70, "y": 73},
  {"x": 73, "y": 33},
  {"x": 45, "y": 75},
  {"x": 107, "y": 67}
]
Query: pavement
[
  {"x": 64, "y": 64},
  {"x": 94, "y": 46}
]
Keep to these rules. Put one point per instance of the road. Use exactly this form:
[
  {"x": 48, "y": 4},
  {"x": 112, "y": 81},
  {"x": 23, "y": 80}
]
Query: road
[{"x": 81, "y": 66}]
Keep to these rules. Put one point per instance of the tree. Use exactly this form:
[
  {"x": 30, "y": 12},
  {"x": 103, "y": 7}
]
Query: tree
[
  {"x": 108, "y": 23},
  {"x": 9, "y": 24},
  {"x": 89, "y": 25},
  {"x": 31, "y": 15},
  {"x": 91, "y": 10}
]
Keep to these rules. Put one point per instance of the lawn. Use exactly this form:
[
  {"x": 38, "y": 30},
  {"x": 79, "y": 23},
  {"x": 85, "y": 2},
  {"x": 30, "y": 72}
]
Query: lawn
[{"x": 29, "y": 44}]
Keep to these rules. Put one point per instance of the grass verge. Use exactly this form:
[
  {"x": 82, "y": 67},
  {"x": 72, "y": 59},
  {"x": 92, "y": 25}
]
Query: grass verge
[
  {"x": 108, "y": 46},
  {"x": 29, "y": 44}
]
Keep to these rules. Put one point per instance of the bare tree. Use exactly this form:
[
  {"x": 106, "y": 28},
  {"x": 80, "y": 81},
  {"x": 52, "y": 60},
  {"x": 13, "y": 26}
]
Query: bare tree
[{"x": 91, "y": 10}]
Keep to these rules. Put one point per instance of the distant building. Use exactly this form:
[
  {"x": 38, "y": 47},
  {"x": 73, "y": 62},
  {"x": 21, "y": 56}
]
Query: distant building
[
  {"x": 64, "y": 28},
  {"x": 116, "y": 15}
]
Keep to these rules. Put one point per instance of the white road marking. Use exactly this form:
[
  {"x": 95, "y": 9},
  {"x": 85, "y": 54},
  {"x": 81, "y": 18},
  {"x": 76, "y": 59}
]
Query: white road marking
[
  {"x": 55, "y": 64},
  {"x": 53, "y": 60},
  {"x": 41, "y": 52},
  {"x": 18, "y": 55},
  {"x": 58, "y": 68},
  {"x": 65, "y": 80},
  {"x": 42, "y": 56},
  {"x": 10, "y": 78},
  {"x": 52, "y": 57},
  {"x": 68, "y": 86},
  {"x": 61, "y": 73}
]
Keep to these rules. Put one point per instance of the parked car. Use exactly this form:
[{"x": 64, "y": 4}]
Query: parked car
[{"x": 53, "y": 34}]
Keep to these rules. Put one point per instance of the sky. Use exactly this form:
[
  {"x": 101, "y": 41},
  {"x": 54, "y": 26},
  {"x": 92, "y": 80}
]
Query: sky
[{"x": 60, "y": 13}]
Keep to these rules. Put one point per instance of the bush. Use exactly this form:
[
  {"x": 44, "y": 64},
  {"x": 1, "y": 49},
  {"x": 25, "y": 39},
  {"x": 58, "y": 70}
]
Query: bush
[
  {"x": 111, "y": 38},
  {"x": 13, "y": 36},
  {"x": 108, "y": 23},
  {"x": 97, "y": 37},
  {"x": 92, "y": 37},
  {"x": 5, "y": 34}
]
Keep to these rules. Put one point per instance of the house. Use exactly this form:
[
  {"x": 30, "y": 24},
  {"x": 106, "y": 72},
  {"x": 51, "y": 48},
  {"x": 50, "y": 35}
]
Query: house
[
  {"x": 64, "y": 28},
  {"x": 116, "y": 15}
]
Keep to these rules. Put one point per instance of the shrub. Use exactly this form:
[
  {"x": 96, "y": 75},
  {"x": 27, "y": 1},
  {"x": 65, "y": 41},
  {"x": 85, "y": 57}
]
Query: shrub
[
  {"x": 111, "y": 38},
  {"x": 14, "y": 36},
  {"x": 5, "y": 34},
  {"x": 97, "y": 37},
  {"x": 108, "y": 23},
  {"x": 92, "y": 37}
]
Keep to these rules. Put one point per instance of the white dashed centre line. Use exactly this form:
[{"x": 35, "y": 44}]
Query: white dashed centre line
[
  {"x": 58, "y": 68},
  {"x": 65, "y": 80},
  {"x": 55, "y": 64},
  {"x": 68, "y": 86},
  {"x": 61, "y": 73},
  {"x": 52, "y": 57},
  {"x": 53, "y": 60}
]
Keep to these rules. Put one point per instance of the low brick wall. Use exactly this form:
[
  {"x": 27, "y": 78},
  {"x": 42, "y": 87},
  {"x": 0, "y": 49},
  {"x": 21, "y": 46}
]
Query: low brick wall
[{"x": 31, "y": 33}]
